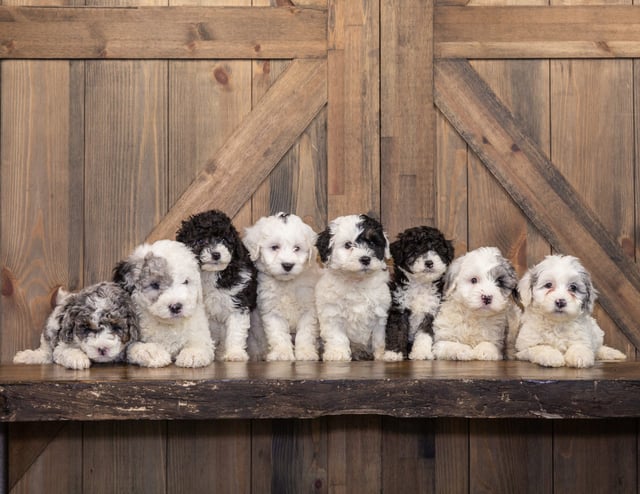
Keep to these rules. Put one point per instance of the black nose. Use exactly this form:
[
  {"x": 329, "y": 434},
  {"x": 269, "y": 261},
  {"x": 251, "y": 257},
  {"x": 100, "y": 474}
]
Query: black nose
[
  {"x": 487, "y": 299},
  {"x": 175, "y": 308},
  {"x": 287, "y": 266},
  {"x": 561, "y": 303},
  {"x": 365, "y": 260},
  {"x": 215, "y": 256},
  {"x": 102, "y": 351},
  {"x": 429, "y": 264}
]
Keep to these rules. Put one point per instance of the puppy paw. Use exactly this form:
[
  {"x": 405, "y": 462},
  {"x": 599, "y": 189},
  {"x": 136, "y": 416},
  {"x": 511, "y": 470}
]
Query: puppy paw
[
  {"x": 486, "y": 351},
  {"x": 73, "y": 358},
  {"x": 280, "y": 353},
  {"x": 309, "y": 354},
  {"x": 608, "y": 353},
  {"x": 336, "y": 355},
  {"x": 236, "y": 355},
  {"x": 450, "y": 350},
  {"x": 421, "y": 351},
  {"x": 579, "y": 356},
  {"x": 390, "y": 356},
  {"x": 194, "y": 357},
  {"x": 148, "y": 355},
  {"x": 32, "y": 357}
]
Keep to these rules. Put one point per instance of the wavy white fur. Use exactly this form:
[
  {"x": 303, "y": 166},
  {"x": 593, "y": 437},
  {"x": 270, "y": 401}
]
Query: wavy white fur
[
  {"x": 282, "y": 247},
  {"x": 556, "y": 328},
  {"x": 164, "y": 281}
]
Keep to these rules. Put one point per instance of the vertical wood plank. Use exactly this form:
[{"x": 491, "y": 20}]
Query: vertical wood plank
[
  {"x": 452, "y": 455},
  {"x": 407, "y": 114},
  {"x": 353, "y": 156}
]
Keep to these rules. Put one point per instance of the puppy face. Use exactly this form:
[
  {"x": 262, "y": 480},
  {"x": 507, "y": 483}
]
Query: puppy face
[
  {"x": 281, "y": 245},
  {"x": 481, "y": 280},
  {"x": 212, "y": 238},
  {"x": 355, "y": 243},
  {"x": 163, "y": 279},
  {"x": 101, "y": 320},
  {"x": 422, "y": 251},
  {"x": 559, "y": 286}
]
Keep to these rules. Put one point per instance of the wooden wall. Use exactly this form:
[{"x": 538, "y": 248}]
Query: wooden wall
[{"x": 95, "y": 152}]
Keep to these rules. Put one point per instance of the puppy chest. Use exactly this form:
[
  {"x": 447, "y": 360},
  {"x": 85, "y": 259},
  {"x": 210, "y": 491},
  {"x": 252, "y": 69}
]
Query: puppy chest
[
  {"x": 422, "y": 299},
  {"x": 219, "y": 304}
]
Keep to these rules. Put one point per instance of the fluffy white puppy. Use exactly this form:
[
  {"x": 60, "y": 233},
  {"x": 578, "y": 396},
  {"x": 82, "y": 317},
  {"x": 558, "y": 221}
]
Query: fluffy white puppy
[
  {"x": 163, "y": 279},
  {"x": 479, "y": 291},
  {"x": 282, "y": 247},
  {"x": 556, "y": 327},
  {"x": 94, "y": 325},
  {"x": 353, "y": 294}
]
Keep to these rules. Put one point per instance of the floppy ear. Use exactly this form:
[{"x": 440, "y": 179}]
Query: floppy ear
[
  {"x": 324, "y": 245},
  {"x": 450, "y": 251},
  {"x": 451, "y": 277},
  {"x": 310, "y": 237},
  {"x": 397, "y": 252},
  {"x": 591, "y": 295},
  {"x": 133, "y": 324},
  {"x": 251, "y": 239},
  {"x": 125, "y": 274},
  {"x": 525, "y": 288},
  {"x": 68, "y": 320},
  {"x": 387, "y": 250}
]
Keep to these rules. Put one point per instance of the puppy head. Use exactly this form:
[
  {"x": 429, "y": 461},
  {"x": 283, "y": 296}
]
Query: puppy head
[
  {"x": 163, "y": 279},
  {"x": 482, "y": 280},
  {"x": 422, "y": 251},
  {"x": 101, "y": 320},
  {"x": 354, "y": 243},
  {"x": 559, "y": 287},
  {"x": 281, "y": 245},
  {"x": 213, "y": 239}
]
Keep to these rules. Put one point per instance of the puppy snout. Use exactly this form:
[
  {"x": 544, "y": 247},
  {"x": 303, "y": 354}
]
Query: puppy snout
[
  {"x": 215, "y": 256},
  {"x": 287, "y": 266},
  {"x": 175, "y": 309},
  {"x": 102, "y": 351},
  {"x": 487, "y": 299},
  {"x": 365, "y": 260},
  {"x": 561, "y": 303}
]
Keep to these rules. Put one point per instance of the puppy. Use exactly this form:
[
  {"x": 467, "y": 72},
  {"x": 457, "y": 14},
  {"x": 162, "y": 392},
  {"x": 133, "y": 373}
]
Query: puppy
[
  {"x": 94, "y": 325},
  {"x": 421, "y": 256},
  {"x": 556, "y": 327},
  {"x": 282, "y": 247},
  {"x": 353, "y": 295},
  {"x": 229, "y": 280},
  {"x": 163, "y": 279},
  {"x": 480, "y": 289}
]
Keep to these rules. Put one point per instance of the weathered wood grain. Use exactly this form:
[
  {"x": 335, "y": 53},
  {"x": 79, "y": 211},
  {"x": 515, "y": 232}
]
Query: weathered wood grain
[
  {"x": 593, "y": 31},
  {"x": 540, "y": 190},
  {"x": 308, "y": 390},
  {"x": 162, "y": 32},
  {"x": 254, "y": 148}
]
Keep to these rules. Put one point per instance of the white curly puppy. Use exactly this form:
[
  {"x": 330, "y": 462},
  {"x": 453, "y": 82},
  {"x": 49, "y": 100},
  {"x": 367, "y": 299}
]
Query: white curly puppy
[
  {"x": 163, "y": 279},
  {"x": 557, "y": 328},
  {"x": 282, "y": 247},
  {"x": 479, "y": 292},
  {"x": 353, "y": 295}
]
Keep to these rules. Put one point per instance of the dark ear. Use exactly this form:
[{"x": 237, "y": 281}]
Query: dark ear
[
  {"x": 397, "y": 252},
  {"x": 124, "y": 275},
  {"x": 133, "y": 324},
  {"x": 450, "y": 251},
  {"x": 323, "y": 244},
  {"x": 68, "y": 320}
]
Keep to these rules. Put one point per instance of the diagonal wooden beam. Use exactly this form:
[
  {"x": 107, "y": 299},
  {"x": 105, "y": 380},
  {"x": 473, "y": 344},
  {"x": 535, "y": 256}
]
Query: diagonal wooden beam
[
  {"x": 255, "y": 148},
  {"x": 537, "y": 186}
]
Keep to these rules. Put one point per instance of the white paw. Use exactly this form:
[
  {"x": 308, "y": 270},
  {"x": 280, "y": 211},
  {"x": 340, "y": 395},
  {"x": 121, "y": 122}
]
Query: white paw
[
  {"x": 422, "y": 351},
  {"x": 280, "y": 353},
  {"x": 547, "y": 358},
  {"x": 194, "y": 357},
  {"x": 390, "y": 356},
  {"x": 579, "y": 356},
  {"x": 445, "y": 350},
  {"x": 306, "y": 353},
  {"x": 608, "y": 353},
  {"x": 236, "y": 355},
  {"x": 148, "y": 355},
  {"x": 336, "y": 355},
  {"x": 32, "y": 357},
  {"x": 486, "y": 351},
  {"x": 73, "y": 359}
]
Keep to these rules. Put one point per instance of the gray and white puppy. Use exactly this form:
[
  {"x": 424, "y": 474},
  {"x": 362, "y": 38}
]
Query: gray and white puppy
[{"x": 94, "y": 325}]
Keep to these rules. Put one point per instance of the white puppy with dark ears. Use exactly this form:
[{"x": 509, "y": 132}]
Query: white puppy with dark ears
[
  {"x": 282, "y": 247},
  {"x": 557, "y": 328},
  {"x": 353, "y": 294},
  {"x": 480, "y": 289},
  {"x": 163, "y": 279}
]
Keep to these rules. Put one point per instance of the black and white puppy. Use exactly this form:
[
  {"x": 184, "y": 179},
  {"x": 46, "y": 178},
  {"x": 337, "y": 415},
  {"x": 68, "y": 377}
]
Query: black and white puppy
[
  {"x": 557, "y": 328},
  {"x": 229, "y": 280},
  {"x": 353, "y": 295},
  {"x": 421, "y": 256},
  {"x": 94, "y": 325}
]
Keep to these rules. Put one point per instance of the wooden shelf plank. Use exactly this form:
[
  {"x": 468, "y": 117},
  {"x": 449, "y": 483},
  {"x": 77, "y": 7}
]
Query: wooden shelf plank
[
  {"x": 311, "y": 389},
  {"x": 162, "y": 32}
]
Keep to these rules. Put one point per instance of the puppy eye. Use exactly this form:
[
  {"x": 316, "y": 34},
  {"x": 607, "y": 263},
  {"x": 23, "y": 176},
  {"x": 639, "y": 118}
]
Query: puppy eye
[
  {"x": 275, "y": 247},
  {"x": 155, "y": 285},
  {"x": 185, "y": 282},
  {"x": 348, "y": 245},
  {"x": 548, "y": 285},
  {"x": 500, "y": 282},
  {"x": 296, "y": 248},
  {"x": 474, "y": 280},
  {"x": 573, "y": 288}
]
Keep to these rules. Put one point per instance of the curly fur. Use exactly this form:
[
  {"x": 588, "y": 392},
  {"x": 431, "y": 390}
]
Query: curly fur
[
  {"x": 94, "y": 325},
  {"x": 556, "y": 328},
  {"x": 353, "y": 296},
  {"x": 229, "y": 280},
  {"x": 421, "y": 256},
  {"x": 163, "y": 279}
]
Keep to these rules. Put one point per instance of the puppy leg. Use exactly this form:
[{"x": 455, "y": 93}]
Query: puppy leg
[
  {"x": 544, "y": 355},
  {"x": 607, "y": 353},
  {"x": 422, "y": 347},
  {"x": 337, "y": 347},
  {"x": 579, "y": 356},
  {"x": 452, "y": 350},
  {"x": 307, "y": 337},
  {"x": 276, "y": 329},
  {"x": 486, "y": 351},
  {"x": 377, "y": 338},
  {"x": 148, "y": 355},
  {"x": 237, "y": 326},
  {"x": 42, "y": 355},
  {"x": 397, "y": 335},
  {"x": 198, "y": 351},
  {"x": 70, "y": 357}
]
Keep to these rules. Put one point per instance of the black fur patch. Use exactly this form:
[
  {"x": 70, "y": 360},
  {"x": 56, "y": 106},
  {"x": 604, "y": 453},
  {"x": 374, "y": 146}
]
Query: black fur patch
[
  {"x": 323, "y": 243},
  {"x": 372, "y": 235}
]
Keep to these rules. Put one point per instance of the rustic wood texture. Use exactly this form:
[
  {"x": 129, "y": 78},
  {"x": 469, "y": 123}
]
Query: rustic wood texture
[
  {"x": 271, "y": 128},
  {"x": 590, "y": 31},
  {"x": 162, "y": 33},
  {"x": 536, "y": 185}
]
